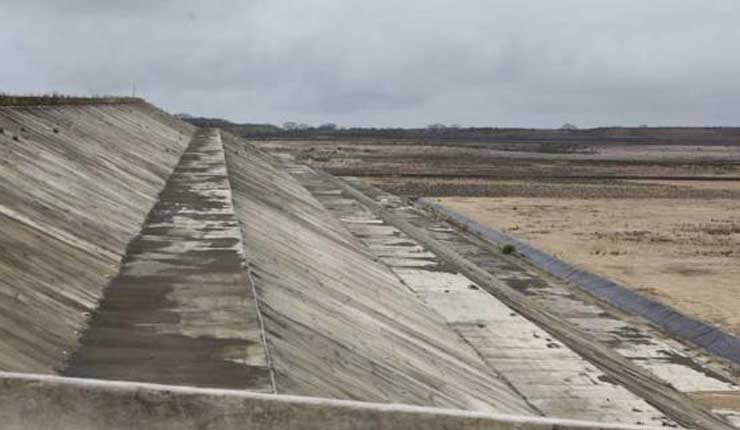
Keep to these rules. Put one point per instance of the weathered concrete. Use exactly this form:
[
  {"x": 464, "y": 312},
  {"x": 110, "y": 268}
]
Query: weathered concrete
[
  {"x": 338, "y": 323},
  {"x": 241, "y": 278},
  {"x": 548, "y": 374},
  {"x": 43, "y": 402},
  {"x": 181, "y": 310},
  {"x": 677, "y": 406},
  {"x": 76, "y": 183}
]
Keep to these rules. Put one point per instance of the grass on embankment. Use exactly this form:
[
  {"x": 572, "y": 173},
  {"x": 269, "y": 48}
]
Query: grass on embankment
[{"x": 58, "y": 99}]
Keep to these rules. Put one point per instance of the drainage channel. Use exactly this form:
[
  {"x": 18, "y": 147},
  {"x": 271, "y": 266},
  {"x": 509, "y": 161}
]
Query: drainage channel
[
  {"x": 554, "y": 377},
  {"x": 181, "y": 310}
]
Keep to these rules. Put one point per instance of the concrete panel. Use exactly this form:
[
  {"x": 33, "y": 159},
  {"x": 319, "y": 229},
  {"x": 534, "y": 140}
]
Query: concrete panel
[
  {"x": 338, "y": 323},
  {"x": 182, "y": 309}
]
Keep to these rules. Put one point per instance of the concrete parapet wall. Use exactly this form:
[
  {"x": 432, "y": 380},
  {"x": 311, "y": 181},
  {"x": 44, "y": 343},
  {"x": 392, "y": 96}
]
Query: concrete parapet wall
[{"x": 42, "y": 402}]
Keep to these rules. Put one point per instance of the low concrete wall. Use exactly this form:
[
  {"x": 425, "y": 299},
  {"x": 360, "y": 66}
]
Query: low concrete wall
[{"x": 44, "y": 402}]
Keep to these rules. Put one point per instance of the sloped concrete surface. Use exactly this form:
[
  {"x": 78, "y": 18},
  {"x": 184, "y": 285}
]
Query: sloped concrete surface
[
  {"x": 76, "y": 183},
  {"x": 551, "y": 376},
  {"x": 338, "y": 323},
  {"x": 133, "y": 248},
  {"x": 181, "y": 311}
]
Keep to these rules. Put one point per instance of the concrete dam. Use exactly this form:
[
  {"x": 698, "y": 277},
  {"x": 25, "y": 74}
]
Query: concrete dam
[{"x": 158, "y": 275}]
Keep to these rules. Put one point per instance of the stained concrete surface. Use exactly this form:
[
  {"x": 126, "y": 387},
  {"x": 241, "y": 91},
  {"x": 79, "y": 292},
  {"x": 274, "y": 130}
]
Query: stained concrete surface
[
  {"x": 181, "y": 310},
  {"x": 76, "y": 183},
  {"x": 240, "y": 277},
  {"x": 338, "y": 323}
]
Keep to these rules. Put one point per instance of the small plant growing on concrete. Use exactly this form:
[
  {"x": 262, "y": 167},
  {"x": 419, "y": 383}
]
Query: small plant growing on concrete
[{"x": 508, "y": 249}]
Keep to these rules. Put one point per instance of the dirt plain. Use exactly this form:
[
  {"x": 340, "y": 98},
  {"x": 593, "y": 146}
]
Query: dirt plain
[
  {"x": 662, "y": 218},
  {"x": 685, "y": 252}
]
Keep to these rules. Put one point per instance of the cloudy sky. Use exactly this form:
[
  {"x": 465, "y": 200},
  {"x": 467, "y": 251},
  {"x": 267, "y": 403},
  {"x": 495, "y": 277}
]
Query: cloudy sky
[{"x": 389, "y": 62}]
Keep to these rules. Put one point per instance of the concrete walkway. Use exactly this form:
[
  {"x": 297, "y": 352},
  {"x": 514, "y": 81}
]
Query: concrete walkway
[{"x": 181, "y": 310}]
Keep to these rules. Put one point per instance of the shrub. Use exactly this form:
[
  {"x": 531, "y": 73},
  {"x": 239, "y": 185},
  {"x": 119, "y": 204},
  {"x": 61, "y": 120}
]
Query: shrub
[{"x": 508, "y": 249}]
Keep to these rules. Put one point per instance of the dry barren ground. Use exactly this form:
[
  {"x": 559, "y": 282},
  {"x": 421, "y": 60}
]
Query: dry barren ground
[{"x": 681, "y": 251}]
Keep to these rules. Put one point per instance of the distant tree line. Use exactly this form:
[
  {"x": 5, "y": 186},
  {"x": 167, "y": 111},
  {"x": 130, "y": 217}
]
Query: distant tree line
[
  {"x": 330, "y": 131},
  {"x": 441, "y": 132}
]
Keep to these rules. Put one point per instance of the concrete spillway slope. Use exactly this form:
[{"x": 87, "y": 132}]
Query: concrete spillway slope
[
  {"x": 93, "y": 287},
  {"x": 181, "y": 311},
  {"x": 76, "y": 183},
  {"x": 338, "y": 323},
  {"x": 551, "y": 376},
  {"x": 134, "y": 248}
]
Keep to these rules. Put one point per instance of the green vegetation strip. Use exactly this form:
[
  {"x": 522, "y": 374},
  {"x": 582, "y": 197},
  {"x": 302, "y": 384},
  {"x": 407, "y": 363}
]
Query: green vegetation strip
[{"x": 59, "y": 100}]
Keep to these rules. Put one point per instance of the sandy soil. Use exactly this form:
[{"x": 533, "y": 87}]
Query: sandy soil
[{"x": 684, "y": 252}]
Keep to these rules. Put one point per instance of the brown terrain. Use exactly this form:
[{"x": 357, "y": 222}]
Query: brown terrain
[
  {"x": 681, "y": 251},
  {"x": 662, "y": 216}
]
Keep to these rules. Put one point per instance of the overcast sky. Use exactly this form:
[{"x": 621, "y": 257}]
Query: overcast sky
[{"x": 389, "y": 62}]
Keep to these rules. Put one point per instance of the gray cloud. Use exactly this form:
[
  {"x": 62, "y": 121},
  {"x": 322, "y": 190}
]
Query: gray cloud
[{"x": 494, "y": 62}]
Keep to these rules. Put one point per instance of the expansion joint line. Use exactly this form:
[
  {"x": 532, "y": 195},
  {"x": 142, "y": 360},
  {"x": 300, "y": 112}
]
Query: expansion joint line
[{"x": 268, "y": 357}]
